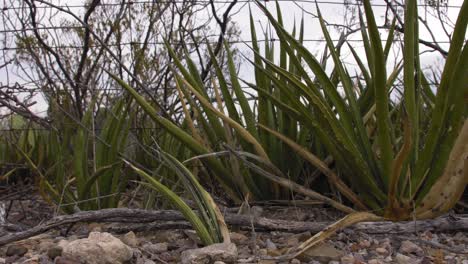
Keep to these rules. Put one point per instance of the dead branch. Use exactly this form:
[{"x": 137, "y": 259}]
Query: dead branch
[{"x": 169, "y": 219}]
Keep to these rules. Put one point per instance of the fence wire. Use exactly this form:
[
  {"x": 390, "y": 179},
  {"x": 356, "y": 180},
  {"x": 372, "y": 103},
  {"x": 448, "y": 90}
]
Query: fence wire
[{"x": 5, "y": 31}]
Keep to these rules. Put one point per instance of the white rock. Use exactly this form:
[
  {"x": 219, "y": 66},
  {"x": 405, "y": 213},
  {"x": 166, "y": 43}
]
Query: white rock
[
  {"x": 226, "y": 252},
  {"x": 192, "y": 235},
  {"x": 402, "y": 259},
  {"x": 348, "y": 259},
  {"x": 365, "y": 243},
  {"x": 145, "y": 261},
  {"x": 381, "y": 251},
  {"x": 324, "y": 253},
  {"x": 63, "y": 243},
  {"x": 238, "y": 238},
  {"x": 409, "y": 247},
  {"x": 98, "y": 248},
  {"x": 270, "y": 244},
  {"x": 386, "y": 243},
  {"x": 45, "y": 245},
  {"x": 130, "y": 239}
]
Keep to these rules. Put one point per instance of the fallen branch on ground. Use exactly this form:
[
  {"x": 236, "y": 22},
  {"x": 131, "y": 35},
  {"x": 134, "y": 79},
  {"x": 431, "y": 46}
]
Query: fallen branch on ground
[{"x": 169, "y": 219}]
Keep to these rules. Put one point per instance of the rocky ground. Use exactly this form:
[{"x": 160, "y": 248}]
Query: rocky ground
[{"x": 95, "y": 243}]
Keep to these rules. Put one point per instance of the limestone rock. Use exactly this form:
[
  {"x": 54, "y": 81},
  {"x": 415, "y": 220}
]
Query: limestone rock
[
  {"x": 402, "y": 259},
  {"x": 130, "y": 239},
  {"x": 65, "y": 260},
  {"x": 365, "y": 243},
  {"x": 381, "y": 251},
  {"x": 37, "y": 259},
  {"x": 54, "y": 252},
  {"x": 323, "y": 253},
  {"x": 16, "y": 250},
  {"x": 192, "y": 235},
  {"x": 45, "y": 245},
  {"x": 270, "y": 244},
  {"x": 145, "y": 261},
  {"x": 266, "y": 261},
  {"x": 238, "y": 238},
  {"x": 409, "y": 247},
  {"x": 98, "y": 248},
  {"x": 348, "y": 259},
  {"x": 226, "y": 252}
]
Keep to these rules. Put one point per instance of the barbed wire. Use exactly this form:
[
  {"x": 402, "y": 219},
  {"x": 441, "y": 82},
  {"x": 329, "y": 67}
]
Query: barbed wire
[
  {"x": 16, "y": 30},
  {"x": 216, "y": 2},
  {"x": 29, "y": 90},
  {"x": 104, "y": 90},
  {"x": 192, "y": 43},
  {"x": 48, "y": 129},
  {"x": 132, "y": 128}
]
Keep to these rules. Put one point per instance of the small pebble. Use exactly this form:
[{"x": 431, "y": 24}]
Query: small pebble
[
  {"x": 16, "y": 250},
  {"x": 365, "y": 243},
  {"x": 130, "y": 239},
  {"x": 409, "y": 247},
  {"x": 54, "y": 252},
  {"x": 342, "y": 237},
  {"x": 402, "y": 259},
  {"x": 381, "y": 251},
  {"x": 155, "y": 248},
  {"x": 347, "y": 259},
  {"x": 95, "y": 227},
  {"x": 65, "y": 260},
  {"x": 270, "y": 244},
  {"x": 238, "y": 238}
]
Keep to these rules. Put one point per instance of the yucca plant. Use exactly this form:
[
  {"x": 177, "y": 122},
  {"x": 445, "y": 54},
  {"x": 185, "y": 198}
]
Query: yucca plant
[
  {"x": 373, "y": 141},
  {"x": 11, "y": 163},
  {"x": 209, "y": 222},
  {"x": 225, "y": 122},
  {"x": 188, "y": 141},
  {"x": 78, "y": 167},
  {"x": 397, "y": 169},
  {"x": 238, "y": 127},
  {"x": 399, "y": 163},
  {"x": 148, "y": 138}
]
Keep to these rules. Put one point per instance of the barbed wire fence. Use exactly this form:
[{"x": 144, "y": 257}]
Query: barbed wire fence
[{"x": 11, "y": 32}]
